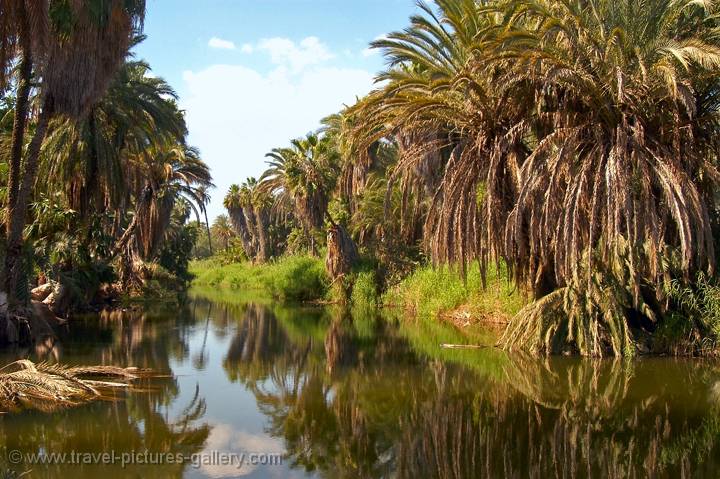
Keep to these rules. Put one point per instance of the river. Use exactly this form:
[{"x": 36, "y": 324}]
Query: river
[{"x": 260, "y": 390}]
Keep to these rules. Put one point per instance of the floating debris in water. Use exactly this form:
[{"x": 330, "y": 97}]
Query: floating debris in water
[{"x": 49, "y": 387}]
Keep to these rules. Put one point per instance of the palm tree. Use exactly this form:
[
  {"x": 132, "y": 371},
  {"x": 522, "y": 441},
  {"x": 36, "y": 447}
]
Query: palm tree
[
  {"x": 88, "y": 159},
  {"x": 170, "y": 174},
  {"x": 23, "y": 27},
  {"x": 233, "y": 203},
  {"x": 249, "y": 207},
  {"x": 455, "y": 132},
  {"x": 164, "y": 176},
  {"x": 615, "y": 197},
  {"x": 222, "y": 229},
  {"x": 304, "y": 174},
  {"x": 574, "y": 140},
  {"x": 88, "y": 42}
]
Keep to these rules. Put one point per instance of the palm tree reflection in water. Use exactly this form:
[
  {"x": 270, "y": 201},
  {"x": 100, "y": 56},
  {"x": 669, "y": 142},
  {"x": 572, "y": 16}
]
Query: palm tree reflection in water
[{"x": 347, "y": 407}]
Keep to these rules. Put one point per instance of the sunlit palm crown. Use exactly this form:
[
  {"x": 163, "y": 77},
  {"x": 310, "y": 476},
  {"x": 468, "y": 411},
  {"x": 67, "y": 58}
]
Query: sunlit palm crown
[{"x": 574, "y": 139}]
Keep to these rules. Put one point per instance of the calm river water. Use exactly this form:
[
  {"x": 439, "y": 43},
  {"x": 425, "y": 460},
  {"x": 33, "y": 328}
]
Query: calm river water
[{"x": 318, "y": 392}]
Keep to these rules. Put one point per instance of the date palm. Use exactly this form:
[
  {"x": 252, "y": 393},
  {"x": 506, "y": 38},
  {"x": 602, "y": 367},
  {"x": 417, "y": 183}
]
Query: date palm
[
  {"x": 615, "y": 198},
  {"x": 306, "y": 174},
  {"x": 87, "y": 43},
  {"x": 574, "y": 139},
  {"x": 249, "y": 207},
  {"x": 455, "y": 130},
  {"x": 165, "y": 176},
  {"x": 222, "y": 229},
  {"x": 24, "y": 33},
  {"x": 233, "y": 203},
  {"x": 87, "y": 159},
  {"x": 170, "y": 173}
]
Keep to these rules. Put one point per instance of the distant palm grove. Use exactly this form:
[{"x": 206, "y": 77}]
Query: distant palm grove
[{"x": 565, "y": 147}]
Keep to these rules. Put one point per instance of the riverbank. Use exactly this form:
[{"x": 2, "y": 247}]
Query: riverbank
[
  {"x": 427, "y": 293},
  {"x": 432, "y": 296},
  {"x": 291, "y": 278}
]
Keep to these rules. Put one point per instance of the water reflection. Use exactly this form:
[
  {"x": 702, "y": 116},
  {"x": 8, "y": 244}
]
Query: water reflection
[
  {"x": 352, "y": 395},
  {"x": 141, "y": 422},
  {"x": 345, "y": 408}
]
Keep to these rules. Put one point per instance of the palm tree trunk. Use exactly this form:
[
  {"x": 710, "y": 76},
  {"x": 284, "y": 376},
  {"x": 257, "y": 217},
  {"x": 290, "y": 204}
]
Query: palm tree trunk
[
  {"x": 251, "y": 220},
  {"x": 16, "y": 222},
  {"x": 207, "y": 226},
  {"x": 262, "y": 226},
  {"x": 121, "y": 243},
  {"x": 240, "y": 225},
  {"x": 20, "y": 117}
]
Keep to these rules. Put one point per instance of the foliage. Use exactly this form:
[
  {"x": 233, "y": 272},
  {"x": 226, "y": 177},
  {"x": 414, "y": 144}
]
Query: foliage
[
  {"x": 176, "y": 251},
  {"x": 115, "y": 188},
  {"x": 430, "y": 292},
  {"x": 289, "y": 278},
  {"x": 574, "y": 143}
]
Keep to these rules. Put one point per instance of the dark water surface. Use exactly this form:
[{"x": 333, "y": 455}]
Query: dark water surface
[{"x": 332, "y": 394}]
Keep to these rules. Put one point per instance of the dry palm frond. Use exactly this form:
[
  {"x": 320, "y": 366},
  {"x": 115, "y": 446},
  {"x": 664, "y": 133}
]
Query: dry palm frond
[
  {"x": 48, "y": 387},
  {"x": 588, "y": 316}
]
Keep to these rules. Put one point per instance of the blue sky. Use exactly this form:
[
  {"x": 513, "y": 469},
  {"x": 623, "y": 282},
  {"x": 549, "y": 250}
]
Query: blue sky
[{"x": 252, "y": 74}]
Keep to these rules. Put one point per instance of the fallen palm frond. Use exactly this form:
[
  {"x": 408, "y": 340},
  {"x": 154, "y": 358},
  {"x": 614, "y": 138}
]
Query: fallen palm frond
[{"x": 48, "y": 387}]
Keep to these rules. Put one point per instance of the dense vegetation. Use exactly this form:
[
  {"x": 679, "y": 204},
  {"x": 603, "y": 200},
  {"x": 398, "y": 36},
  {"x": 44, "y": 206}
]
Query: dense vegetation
[
  {"x": 97, "y": 179},
  {"x": 560, "y": 152},
  {"x": 569, "y": 143}
]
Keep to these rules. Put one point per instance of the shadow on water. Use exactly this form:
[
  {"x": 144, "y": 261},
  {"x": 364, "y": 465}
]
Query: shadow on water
[{"x": 352, "y": 394}]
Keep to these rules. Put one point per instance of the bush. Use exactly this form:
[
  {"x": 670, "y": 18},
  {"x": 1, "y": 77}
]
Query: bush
[{"x": 297, "y": 278}]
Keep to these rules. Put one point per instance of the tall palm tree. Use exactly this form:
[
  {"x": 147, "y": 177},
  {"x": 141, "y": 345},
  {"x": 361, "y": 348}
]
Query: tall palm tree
[
  {"x": 23, "y": 32},
  {"x": 169, "y": 174},
  {"x": 234, "y": 204},
  {"x": 164, "y": 177},
  {"x": 250, "y": 211},
  {"x": 306, "y": 174},
  {"x": 222, "y": 229},
  {"x": 89, "y": 39},
  {"x": 456, "y": 133},
  {"x": 87, "y": 159}
]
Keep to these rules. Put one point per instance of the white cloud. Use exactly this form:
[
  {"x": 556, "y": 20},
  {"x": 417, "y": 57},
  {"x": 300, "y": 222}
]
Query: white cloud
[
  {"x": 236, "y": 114},
  {"x": 285, "y": 52},
  {"x": 216, "y": 42},
  {"x": 247, "y": 48}
]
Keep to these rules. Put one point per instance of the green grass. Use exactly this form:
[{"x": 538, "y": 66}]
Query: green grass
[
  {"x": 429, "y": 292},
  {"x": 290, "y": 278},
  {"x": 365, "y": 290}
]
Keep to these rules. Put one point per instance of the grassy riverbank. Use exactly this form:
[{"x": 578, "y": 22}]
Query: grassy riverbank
[
  {"x": 442, "y": 293},
  {"x": 290, "y": 278},
  {"x": 427, "y": 293}
]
